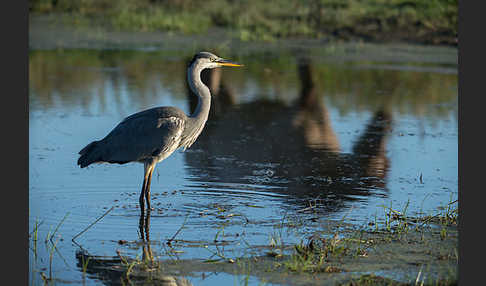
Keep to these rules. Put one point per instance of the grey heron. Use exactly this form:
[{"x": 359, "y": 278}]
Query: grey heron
[{"x": 152, "y": 135}]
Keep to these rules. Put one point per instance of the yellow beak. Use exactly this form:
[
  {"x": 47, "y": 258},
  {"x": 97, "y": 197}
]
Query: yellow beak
[{"x": 227, "y": 63}]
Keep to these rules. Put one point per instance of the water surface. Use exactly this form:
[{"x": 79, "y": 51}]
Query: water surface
[{"x": 337, "y": 130}]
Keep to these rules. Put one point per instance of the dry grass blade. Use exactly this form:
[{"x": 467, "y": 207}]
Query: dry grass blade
[{"x": 98, "y": 219}]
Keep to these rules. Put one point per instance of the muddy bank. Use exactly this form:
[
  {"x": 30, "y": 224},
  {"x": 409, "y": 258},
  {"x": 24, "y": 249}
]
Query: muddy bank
[{"x": 52, "y": 32}]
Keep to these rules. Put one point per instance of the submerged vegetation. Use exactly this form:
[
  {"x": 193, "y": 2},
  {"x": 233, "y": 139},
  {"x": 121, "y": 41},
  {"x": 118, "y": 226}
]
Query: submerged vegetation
[{"x": 425, "y": 21}]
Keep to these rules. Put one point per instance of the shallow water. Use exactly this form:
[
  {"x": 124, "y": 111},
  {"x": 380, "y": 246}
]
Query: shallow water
[{"x": 291, "y": 139}]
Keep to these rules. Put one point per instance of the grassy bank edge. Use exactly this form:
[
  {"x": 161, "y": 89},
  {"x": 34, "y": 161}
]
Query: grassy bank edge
[{"x": 417, "y": 21}]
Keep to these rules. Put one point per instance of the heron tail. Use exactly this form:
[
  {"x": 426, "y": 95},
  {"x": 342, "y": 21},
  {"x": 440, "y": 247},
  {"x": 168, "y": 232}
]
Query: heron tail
[{"x": 89, "y": 154}]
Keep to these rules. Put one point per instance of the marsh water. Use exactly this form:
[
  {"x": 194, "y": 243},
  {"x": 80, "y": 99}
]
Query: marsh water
[{"x": 302, "y": 134}]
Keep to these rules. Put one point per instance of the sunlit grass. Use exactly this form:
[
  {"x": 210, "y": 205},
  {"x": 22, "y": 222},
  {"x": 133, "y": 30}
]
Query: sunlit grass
[
  {"x": 423, "y": 20},
  {"x": 51, "y": 247}
]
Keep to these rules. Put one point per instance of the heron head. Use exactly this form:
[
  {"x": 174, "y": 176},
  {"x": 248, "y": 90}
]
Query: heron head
[{"x": 207, "y": 60}]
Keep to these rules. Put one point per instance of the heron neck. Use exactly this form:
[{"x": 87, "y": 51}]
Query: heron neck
[{"x": 201, "y": 112}]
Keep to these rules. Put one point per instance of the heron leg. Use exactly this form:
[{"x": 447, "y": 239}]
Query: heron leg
[
  {"x": 147, "y": 189},
  {"x": 147, "y": 174},
  {"x": 147, "y": 178}
]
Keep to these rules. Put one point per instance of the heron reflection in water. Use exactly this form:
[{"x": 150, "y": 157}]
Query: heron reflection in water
[
  {"x": 113, "y": 270},
  {"x": 152, "y": 135},
  {"x": 292, "y": 147}
]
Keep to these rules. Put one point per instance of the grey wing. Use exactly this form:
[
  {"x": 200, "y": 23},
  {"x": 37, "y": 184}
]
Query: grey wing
[{"x": 142, "y": 137}]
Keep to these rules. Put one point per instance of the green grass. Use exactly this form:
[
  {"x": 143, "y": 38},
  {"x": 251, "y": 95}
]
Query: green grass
[
  {"x": 313, "y": 256},
  {"x": 51, "y": 247},
  {"x": 430, "y": 21},
  {"x": 398, "y": 222},
  {"x": 318, "y": 254}
]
